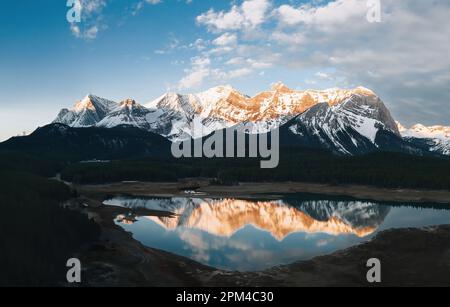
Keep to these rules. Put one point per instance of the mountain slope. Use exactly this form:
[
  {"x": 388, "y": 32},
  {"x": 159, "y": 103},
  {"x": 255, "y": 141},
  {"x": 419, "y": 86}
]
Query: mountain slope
[
  {"x": 197, "y": 115},
  {"x": 86, "y": 113},
  {"x": 128, "y": 113},
  {"x": 58, "y": 141},
  {"x": 359, "y": 125},
  {"x": 434, "y": 138}
]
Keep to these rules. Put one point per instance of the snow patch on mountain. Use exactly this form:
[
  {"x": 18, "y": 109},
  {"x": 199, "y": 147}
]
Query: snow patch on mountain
[
  {"x": 87, "y": 112},
  {"x": 437, "y": 137},
  {"x": 348, "y": 127}
]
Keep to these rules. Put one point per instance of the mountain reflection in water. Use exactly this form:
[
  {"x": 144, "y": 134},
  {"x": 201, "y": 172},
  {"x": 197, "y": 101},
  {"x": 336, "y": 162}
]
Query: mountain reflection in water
[{"x": 249, "y": 234}]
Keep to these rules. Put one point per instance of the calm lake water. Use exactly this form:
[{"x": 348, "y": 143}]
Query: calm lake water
[{"x": 250, "y": 235}]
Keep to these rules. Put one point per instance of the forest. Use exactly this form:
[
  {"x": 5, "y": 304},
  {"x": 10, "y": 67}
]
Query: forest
[
  {"x": 37, "y": 235},
  {"x": 385, "y": 169}
]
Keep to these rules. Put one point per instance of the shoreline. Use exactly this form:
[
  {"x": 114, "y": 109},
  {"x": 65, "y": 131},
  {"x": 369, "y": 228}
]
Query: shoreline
[
  {"x": 264, "y": 190},
  {"x": 117, "y": 259}
]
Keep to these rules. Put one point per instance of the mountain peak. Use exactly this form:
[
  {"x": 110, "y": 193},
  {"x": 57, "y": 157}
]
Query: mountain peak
[
  {"x": 90, "y": 96},
  {"x": 365, "y": 91},
  {"x": 128, "y": 103},
  {"x": 431, "y": 132},
  {"x": 85, "y": 103},
  {"x": 86, "y": 112},
  {"x": 221, "y": 90},
  {"x": 401, "y": 128},
  {"x": 436, "y": 137},
  {"x": 224, "y": 87},
  {"x": 279, "y": 86}
]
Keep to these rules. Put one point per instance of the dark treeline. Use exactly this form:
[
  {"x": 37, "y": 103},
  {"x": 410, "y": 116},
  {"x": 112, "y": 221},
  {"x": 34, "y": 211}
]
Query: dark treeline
[
  {"x": 37, "y": 235},
  {"x": 20, "y": 162},
  {"x": 392, "y": 170}
]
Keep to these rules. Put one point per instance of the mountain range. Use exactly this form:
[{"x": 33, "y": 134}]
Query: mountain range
[
  {"x": 345, "y": 122},
  {"x": 435, "y": 138}
]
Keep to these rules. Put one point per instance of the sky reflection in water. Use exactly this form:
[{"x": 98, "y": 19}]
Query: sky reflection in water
[{"x": 250, "y": 235}]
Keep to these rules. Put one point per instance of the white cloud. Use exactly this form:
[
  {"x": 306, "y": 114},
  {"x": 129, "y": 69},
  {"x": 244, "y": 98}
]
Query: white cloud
[
  {"x": 92, "y": 6},
  {"x": 226, "y": 39},
  {"x": 288, "y": 38},
  {"x": 250, "y": 14},
  {"x": 75, "y": 30},
  {"x": 199, "y": 44},
  {"x": 200, "y": 69},
  {"x": 238, "y": 73},
  {"x": 254, "y": 11},
  {"x": 91, "y": 19},
  {"x": 91, "y": 33},
  {"x": 231, "y": 20},
  {"x": 173, "y": 44},
  {"x": 332, "y": 14},
  {"x": 140, "y": 5},
  {"x": 322, "y": 75},
  {"x": 235, "y": 61}
]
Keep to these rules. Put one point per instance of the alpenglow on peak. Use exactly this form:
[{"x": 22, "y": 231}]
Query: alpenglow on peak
[{"x": 181, "y": 116}]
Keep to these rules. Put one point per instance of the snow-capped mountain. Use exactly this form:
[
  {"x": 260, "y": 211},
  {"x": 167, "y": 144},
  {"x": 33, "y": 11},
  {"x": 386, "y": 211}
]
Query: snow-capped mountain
[
  {"x": 179, "y": 117},
  {"x": 349, "y": 127},
  {"x": 87, "y": 112},
  {"x": 434, "y": 138},
  {"x": 197, "y": 115},
  {"x": 343, "y": 121},
  {"x": 127, "y": 112}
]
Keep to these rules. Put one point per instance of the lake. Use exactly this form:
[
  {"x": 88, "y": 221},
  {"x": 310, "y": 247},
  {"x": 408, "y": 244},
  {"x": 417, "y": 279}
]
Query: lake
[{"x": 253, "y": 235}]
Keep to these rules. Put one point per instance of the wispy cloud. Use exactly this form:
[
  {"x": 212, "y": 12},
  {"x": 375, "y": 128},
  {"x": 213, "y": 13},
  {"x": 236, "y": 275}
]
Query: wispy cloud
[
  {"x": 137, "y": 7},
  {"x": 200, "y": 69},
  {"x": 91, "y": 19},
  {"x": 250, "y": 14}
]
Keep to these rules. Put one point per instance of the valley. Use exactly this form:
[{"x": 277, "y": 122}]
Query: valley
[{"x": 351, "y": 184}]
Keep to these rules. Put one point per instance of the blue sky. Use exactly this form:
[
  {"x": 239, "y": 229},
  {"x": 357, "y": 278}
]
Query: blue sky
[{"x": 143, "y": 48}]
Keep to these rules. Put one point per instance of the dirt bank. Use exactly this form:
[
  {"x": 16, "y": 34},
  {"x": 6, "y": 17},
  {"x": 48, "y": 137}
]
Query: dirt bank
[{"x": 255, "y": 190}]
